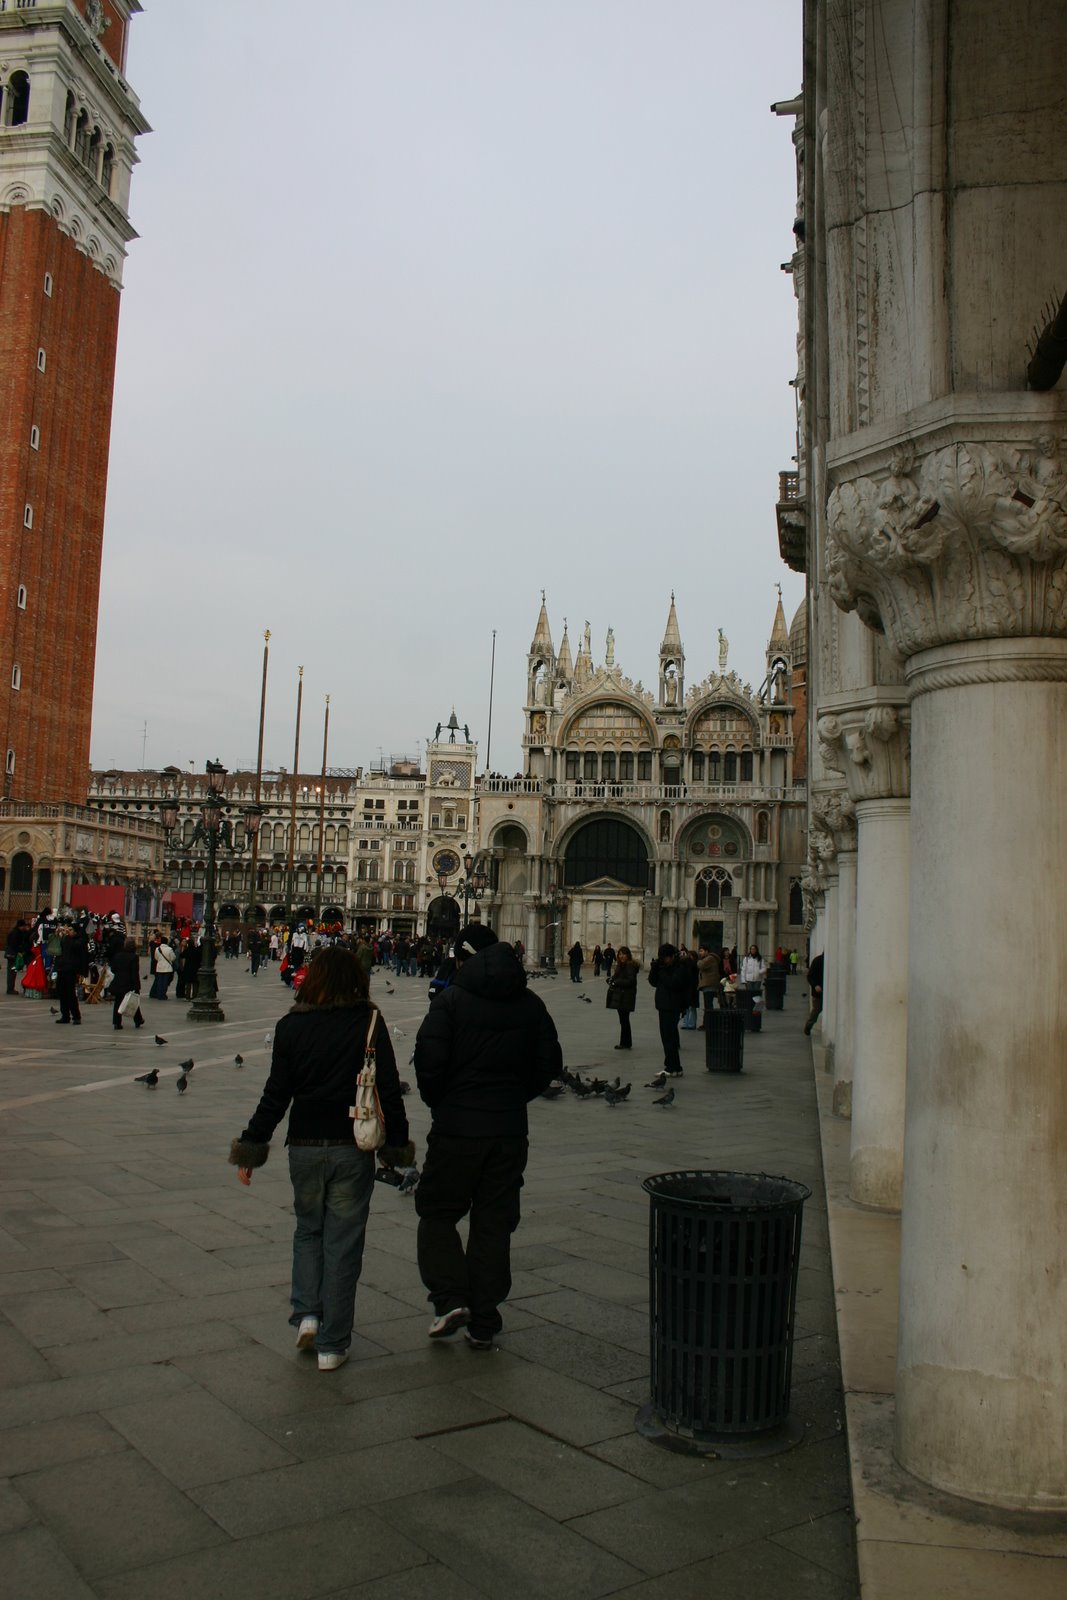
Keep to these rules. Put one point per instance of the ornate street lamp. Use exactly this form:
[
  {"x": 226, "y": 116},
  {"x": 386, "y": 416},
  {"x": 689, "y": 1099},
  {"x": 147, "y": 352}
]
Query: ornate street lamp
[
  {"x": 214, "y": 829},
  {"x": 553, "y": 905},
  {"x": 471, "y": 886}
]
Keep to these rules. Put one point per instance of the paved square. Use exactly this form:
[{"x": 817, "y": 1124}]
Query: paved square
[{"x": 160, "y": 1436}]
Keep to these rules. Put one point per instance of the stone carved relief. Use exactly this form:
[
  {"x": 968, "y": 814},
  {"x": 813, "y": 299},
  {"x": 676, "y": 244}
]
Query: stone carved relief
[
  {"x": 971, "y": 543},
  {"x": 831, "y": 827},
  {"x": 871, "y": 747}
]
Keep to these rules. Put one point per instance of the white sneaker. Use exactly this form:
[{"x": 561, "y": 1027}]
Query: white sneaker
[
  {"x": 449, "y": 1322},
  {"x": 332, "y": 1360},
  {"x": 307, "y": 1333}
]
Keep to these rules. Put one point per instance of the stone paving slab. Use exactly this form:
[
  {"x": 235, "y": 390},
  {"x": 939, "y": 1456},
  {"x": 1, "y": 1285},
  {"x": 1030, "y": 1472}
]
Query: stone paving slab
[{"x": 159, "y": 1435}]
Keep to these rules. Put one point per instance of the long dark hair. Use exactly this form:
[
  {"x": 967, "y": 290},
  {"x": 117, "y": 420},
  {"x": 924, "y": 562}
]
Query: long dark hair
[{"x": 334, "y": 978}]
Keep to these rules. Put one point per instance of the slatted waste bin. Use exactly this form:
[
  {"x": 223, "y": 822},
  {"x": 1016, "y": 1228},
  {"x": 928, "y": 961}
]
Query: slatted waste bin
[
  {"x": 724, "y": 1250},
  {"x": 774, "y": 987},
  {"x": 724, "y": 1041}
]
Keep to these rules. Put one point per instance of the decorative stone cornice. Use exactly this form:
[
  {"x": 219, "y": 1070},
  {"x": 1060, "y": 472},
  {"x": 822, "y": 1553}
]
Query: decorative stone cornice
[
  {"x": 970, "y": 542},
  {"x": 870, "y": 747}
]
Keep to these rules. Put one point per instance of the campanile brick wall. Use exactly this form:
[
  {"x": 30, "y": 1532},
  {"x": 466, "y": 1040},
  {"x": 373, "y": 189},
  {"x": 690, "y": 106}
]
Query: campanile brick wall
[{"x": 52, "y": 639}]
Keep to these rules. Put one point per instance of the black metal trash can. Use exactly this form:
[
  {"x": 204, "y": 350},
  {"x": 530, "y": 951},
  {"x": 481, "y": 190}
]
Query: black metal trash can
[
  {"x": 724, "y": 1041},
  {"x": 723, "y": 1256},
  {"x": 774, "y": 987}
]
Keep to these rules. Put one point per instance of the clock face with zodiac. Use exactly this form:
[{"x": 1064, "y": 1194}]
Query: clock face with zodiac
[{"x": 446, "y": 862}]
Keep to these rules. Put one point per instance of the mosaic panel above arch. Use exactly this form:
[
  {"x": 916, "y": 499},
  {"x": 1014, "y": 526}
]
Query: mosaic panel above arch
[
  {"x": 608, "y": 722},
  {"x": 715, "y": 841},
  {"x": 722, "y": 725}
]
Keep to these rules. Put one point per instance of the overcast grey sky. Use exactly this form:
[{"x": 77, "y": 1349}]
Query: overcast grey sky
[{"x": 438, "y": 303}]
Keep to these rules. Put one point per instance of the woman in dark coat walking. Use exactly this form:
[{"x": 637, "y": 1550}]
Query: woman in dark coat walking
[
  {"x": 622, "y": 994},
  {"x": 576, "y": 956},
  {"x": 319, "y": 1050},
  {"x": 126, "y": 977}
]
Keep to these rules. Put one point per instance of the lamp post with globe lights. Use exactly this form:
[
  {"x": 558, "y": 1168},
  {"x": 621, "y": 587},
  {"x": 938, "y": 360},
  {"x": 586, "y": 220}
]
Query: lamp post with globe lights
[{"x": 214, "y": 830}]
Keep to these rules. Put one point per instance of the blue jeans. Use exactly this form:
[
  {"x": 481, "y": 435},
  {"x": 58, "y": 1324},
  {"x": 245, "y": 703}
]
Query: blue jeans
[{"x": 332, "y": 1186}]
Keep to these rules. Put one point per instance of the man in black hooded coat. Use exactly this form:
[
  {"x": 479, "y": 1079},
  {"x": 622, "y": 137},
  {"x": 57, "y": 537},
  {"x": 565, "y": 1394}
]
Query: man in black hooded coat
[{"x": 485, "y": 1048}]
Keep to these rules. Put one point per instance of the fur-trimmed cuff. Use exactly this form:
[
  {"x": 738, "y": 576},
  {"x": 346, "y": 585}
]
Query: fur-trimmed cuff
[
  {"x": 397, "y": 1155},
  {"x": 244, "y": 1154}
]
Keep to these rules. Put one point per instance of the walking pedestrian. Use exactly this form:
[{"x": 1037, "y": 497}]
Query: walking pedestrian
[
  {"x": 319, "y": 1048},
  {"x": 622, "y": 994},
  {"x": 609, "y": 960},
  {"x": 815, "y": 984},
  {"x": 671, "y": 984},
  {"x": 165, "y": 961},
  {"x": 486, "y": 1047},
  {"x": 576, "y": 956},
  {"x": 126, "y": 979},
  {"x": 709, "y": 976},
  {"x": 17, "y": 951},
  {"x": 598, "y": 960},
  {"x": 687, "y": 962},
  {"x": 72, "y": 964}
]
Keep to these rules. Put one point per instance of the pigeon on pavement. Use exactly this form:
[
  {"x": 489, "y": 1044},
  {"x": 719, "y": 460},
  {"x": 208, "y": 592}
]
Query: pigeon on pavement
[
  {"x": 238, "y": 1061},
  {"x": 615, "y": 1097},
  {"x": 149, "y": 1079},
  {"x": 160, "y": 1040},
  {"x": 186, "y": 1066},
  {"x": 657, "y": 1082},
  {"x": 665, "y": 1100},
  {"x": 183, "y": 1083}
]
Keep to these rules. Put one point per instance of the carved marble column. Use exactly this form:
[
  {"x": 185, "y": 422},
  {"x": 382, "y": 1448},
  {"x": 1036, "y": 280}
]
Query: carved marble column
[
  {"x": 961, "y": 556},
  {"x": 868, "y": 744}
]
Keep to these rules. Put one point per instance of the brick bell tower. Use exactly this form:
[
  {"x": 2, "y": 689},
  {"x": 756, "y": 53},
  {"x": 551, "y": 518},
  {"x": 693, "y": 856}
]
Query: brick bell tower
[{"x": 68, "y": 122}]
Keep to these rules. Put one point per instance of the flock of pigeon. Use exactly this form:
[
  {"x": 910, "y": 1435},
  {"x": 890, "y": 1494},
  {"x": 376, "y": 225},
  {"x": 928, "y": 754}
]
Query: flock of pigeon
[
  {"x": 151, "y": 1079},
  {"x": 614, "y": 1094}
]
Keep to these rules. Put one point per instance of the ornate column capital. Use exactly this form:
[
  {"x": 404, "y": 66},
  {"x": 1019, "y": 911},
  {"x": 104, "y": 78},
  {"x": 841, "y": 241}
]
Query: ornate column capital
[
  {"x": 831, "y": 828},
  {"x": 968, "y": 541},
  {"x": 870, "y": 746}
]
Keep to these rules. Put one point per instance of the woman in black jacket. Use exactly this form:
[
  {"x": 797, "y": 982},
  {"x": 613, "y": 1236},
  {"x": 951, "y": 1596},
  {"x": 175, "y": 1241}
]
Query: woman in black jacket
[
  {"x": 126, "y": 976},
  {"x": 622, "y": 994},
  {"x": 319, "y": 1049}
]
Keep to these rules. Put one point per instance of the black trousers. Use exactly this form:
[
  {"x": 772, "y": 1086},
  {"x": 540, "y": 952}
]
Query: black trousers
[
  {"x": 625, "y": 1036},
  {"x": 67, "y": 995},
  {"x": 482, "y": 1177},
  {"x": 668, "y": 1032}
]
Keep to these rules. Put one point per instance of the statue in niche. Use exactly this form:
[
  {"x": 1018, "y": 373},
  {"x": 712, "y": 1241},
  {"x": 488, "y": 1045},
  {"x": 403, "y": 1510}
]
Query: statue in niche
[
  {"x": 664, "y": 826},
  {"x": 539, "y": 724},
  {"x": 539, "y": 684},
  {"x": 609, "y": 648},
  {"x": 670, "y": 691},
  {"x": 724, "y": 650},
  {"x": 560, "y": 694}
]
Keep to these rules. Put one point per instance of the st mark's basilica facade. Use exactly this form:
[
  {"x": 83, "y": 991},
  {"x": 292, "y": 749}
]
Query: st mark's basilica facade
[{"x": 641, "y": 816}]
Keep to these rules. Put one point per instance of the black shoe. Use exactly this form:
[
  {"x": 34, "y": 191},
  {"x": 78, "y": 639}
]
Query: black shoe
[
  {"x": 624, "y": 1047},
  {"x": 62, "y": 1021}
]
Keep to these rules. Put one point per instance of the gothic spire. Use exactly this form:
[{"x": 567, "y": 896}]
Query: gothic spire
[
  {"x": 564, "y": 665},
  {"x": 672, "y": 639},
  {"x": 542, "y": 639},
  {"x": 780, "y": 632}
]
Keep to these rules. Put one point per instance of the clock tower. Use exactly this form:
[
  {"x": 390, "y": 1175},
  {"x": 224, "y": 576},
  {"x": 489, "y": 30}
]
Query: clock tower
[{"x": 68, "y": 125}]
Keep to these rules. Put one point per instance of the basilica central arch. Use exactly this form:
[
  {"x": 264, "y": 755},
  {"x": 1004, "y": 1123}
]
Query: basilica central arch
[{"x": 606, "y": 876}]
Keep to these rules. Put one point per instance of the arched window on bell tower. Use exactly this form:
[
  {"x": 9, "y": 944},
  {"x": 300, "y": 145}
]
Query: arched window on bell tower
[{"x": 16, "y": 108}]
